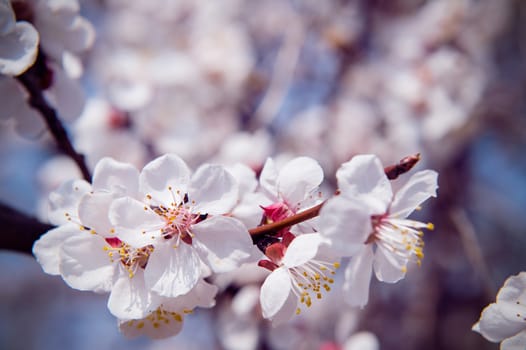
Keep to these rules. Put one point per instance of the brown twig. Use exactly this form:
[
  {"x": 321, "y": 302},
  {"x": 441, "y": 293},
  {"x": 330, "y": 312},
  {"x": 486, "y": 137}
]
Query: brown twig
[
  {"x": 19, "y": 231},
  {"x": 32, "y": 82}
]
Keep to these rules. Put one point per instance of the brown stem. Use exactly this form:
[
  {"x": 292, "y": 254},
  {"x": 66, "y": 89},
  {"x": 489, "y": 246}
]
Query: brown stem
[
  {"x": 291, "y": 220},
  {"x": 19, "y": 231},
  {"x": 38, "y": 102}
]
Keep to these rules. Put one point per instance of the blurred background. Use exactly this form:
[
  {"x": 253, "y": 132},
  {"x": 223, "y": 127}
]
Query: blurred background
[{"x": 242, "y": 80}]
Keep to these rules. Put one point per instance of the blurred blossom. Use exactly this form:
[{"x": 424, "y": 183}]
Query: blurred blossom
[{"x": 18, "y": 42}]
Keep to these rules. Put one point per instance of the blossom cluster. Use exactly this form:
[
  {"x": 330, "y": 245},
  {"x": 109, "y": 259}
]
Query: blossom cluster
[
  {"x": 44, "y": 37},
  {"x": 154, "y": 238}
]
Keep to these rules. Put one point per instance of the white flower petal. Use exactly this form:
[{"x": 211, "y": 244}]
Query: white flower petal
[
  {"x": 275, "y": 292},
  {"x": 66, "y": 94},
  {"x": 114, "y": 176},
  {"x": 29, "y": 123},
  {"x": 62, "y": 29},
  {"x": 388, "y": 267},
  {"x": 245, "y": 177},
  {"x": 18, "y": 49},
  {"x": 65, "y": 200},
  {"x": 134, "y": 222},
  {"x": 93, "y": 211},
  {"x": 129, "y": 298},
  {"x": 223, "y": 243},
  {"x": 85, "y": 265},
  {"x": 363, "y": 178},
  {"x": 202, "y": 295},
  {"x": 514, "y": 289},
  {"x": 298, "y": 179},
  {"x": 495, "y": 326},
  {"x": 346, "y": 224},
  {"x": 302, "y": 249},
  {"x": 163, "y": 173},
  {"x": 213, "y": 189},
  {"x": 517, "y": 342},
  {"x": 358, "y": 278},
  {"x": 419, "y": 188},
  {"x": 248, "y": 210},
  {"x": 171, "y": 271},
  {"x": 362, "y": 341},
  {"x": 268, "y": 180},
  {"x": 46, "y": 249}
]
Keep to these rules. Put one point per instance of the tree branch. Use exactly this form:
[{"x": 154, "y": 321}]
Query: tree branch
[
  {"x": 35, "y": 80},
  {"x": 19, "y": 231}
]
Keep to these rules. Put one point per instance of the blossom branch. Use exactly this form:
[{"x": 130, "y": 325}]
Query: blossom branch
[
  {"x": 34, "y": 81},
  {"x": 19, "y": 231},
  {"x": 392, "y": 172}
]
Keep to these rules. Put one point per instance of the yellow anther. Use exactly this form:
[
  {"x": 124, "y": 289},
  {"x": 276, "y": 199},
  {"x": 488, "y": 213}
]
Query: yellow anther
[
  {"x": 430, "y": 226},
  {"x": 318, "y": 295},
  {"x": 140, "y": 325},
  {"x": 188, "y": 311},
  {"x": 404, "y": 269},
  {"x": 336, "y": 265},
  {"x": 156, "y": 325},
  {"x": 298, "y": 311},
  {"x": 178, "y": 317}
]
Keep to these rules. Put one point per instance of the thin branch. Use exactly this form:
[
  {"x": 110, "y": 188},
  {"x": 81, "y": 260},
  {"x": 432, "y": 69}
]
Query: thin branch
[
  {"x": 19, "y": 231},
  {"x": 291, "y": 220},
  {"x": 32, "y": 83}
]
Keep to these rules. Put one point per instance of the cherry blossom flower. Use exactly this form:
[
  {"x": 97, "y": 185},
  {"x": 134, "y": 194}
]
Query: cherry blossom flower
[
  {"x": 60, "y": 26},
  {"x": 505, "y": 320},
  {"x": 86, "y": 252},
  {"x": 181, "y": 215},
  {"x": 18, "y": 42},
  {"x": 295, "y": 187},
  {"x": 300, "y": 274},
  {"x": 369, "y": 223}
]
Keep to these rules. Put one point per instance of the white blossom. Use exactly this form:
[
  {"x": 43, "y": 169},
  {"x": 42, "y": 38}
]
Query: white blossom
[
  {"x": 18, "y": 42},
  {"x": 181, "y": 215},
  {"x": 504, "y": 321},
  {"x": 300, "y": 275},
  {"x": 369, "y": 223}
]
